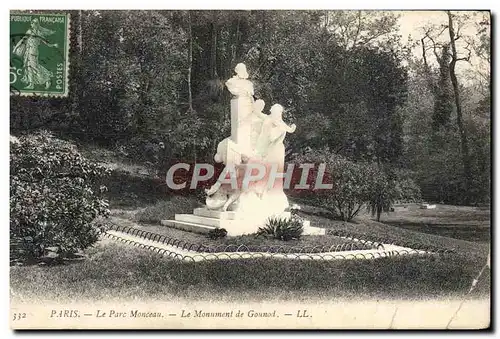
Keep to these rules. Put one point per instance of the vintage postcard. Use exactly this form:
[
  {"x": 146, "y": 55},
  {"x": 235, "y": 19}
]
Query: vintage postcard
[{"x": 250, "y": 169}]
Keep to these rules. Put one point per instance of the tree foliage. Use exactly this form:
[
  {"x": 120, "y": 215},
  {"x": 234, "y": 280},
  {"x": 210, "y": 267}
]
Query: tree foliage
[
  {"x": 452, "y": 160},
  {"x": 357, "y": 184},
  {"x": 56, "y": 195}
]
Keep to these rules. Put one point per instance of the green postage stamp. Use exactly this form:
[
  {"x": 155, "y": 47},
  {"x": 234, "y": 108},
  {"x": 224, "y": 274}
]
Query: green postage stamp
[{"x": 39, "y": 46}]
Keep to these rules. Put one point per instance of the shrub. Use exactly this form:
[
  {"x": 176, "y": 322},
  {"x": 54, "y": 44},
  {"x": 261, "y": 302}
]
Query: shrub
[
  {"x": 56, "y": 195},
  {"x": 351, "y": 184},
  {"x": 166, "y": 209},
  {"x": 387, "y": 186},
  {"x": 357, "y": 184},
  {"x": 383, "y": 193},
  {"x": 282, "y": 229},
  {"x": 407, "y": 189},
  {"x": 294, "y": 210},
  {"x": 217, "y": 233}
]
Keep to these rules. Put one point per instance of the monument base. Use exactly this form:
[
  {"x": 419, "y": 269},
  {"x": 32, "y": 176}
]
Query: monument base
[{"x": 204, "y": 220}]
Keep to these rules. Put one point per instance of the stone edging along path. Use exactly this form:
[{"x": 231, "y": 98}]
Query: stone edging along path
[{"x": 172, "y": 251}]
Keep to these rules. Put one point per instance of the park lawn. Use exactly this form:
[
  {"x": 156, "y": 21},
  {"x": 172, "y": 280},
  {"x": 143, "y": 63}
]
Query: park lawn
[
  {"x": 370, "y": 229},
  {"x": 442, "y": 215},
  {"x": 399, "y": 227},
  {"x": 363, "y": 227},
  {"x": 306, "y": 244},
  {"x": 114, "y": 271},
  {"x": 461, "y": 222}
]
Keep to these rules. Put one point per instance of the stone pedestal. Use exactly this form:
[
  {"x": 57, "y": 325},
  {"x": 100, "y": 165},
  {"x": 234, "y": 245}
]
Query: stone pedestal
[
  {"x": 241, "y": 123},
  {"x": 204, "y": 220}
]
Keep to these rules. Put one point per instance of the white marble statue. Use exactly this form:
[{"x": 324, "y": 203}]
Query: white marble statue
[
  {"x": 270, "y": 142},
  {"x": 257, "y": 121},
  {"x": 220, "y": 197},
  {"x": 239, "y": 85},
  {"x": 271, "y": 149},
  {"x": 256, "y": 137},
  {"x": 255, "y": 154},
  {"x": 241, "y": 108}
]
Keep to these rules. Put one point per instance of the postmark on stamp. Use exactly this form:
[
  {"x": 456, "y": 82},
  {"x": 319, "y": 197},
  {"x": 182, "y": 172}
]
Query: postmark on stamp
[{"x": 39, "y": 54}]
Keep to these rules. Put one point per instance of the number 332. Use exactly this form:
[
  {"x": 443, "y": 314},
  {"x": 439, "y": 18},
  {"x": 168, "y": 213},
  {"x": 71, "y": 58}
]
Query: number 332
[{"x": 19, "y": 316}]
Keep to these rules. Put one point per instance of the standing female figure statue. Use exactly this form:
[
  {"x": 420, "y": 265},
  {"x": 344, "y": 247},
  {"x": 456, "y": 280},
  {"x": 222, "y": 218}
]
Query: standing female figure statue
[
  {"x": 28, "y": 49},
  {"x": 270, "y": 144}
]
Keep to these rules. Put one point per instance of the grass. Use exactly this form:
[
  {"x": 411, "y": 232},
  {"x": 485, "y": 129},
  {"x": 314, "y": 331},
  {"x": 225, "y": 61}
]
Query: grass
[
  {"x": 166, "y": 209},
  {"x": 115, "y": 271},
  {"x": 377, "y": 230},
  {"x": 131, "y": 185},
  {"x": 128, "y": 191},
  {"x": 313, "y": 243},
  {"x": 460, "y": 222},
  {"x": 362, "y": 226},
  {"x": 390, "y": 229},
  {"x": 399, "y": 277}
]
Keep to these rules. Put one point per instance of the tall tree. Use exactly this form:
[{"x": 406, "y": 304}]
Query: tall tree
[
  {"x": 464, "y": 142},
  {"x": 443, "y": 102},
  {"x": 352, "y": 29},
  {"x": 190, "y": 61}
]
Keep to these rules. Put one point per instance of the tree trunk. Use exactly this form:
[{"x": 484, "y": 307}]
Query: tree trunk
[
  {"x": 430, "y": 81},
  {"x": 234, "y": 43},
  {"x": 213, "y": 48},
  {"x": 78, "y": 63},
  {"x": 463, "y": 133},
  {"x": 379, "y": 212},
  {"x": 190, "y": 62},
  {"x": 80, "y": 38}
]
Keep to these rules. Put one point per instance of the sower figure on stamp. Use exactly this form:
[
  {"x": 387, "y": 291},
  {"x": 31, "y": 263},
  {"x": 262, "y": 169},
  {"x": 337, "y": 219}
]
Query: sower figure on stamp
[{"x": 28, "y": 49}]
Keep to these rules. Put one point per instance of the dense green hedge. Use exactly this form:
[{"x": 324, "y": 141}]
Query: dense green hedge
[{"x": 56, "y": 195}]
